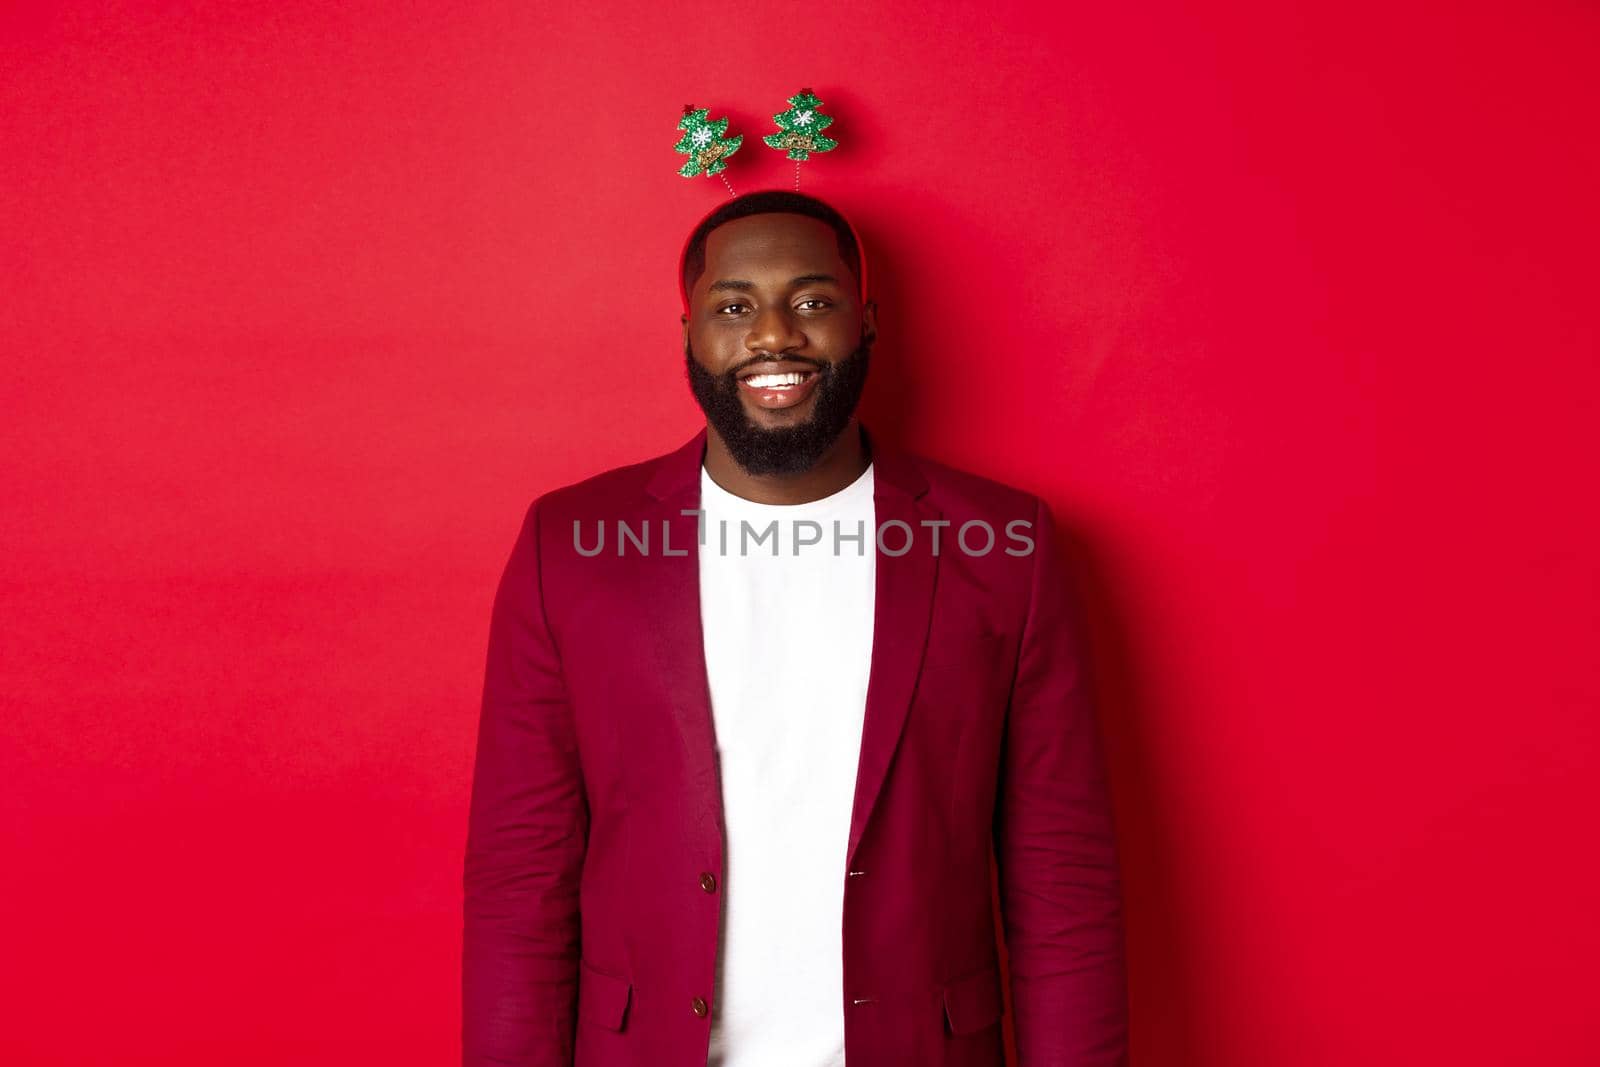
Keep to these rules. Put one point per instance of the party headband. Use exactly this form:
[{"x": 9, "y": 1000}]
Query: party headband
[{"x": 707, "y": 144}]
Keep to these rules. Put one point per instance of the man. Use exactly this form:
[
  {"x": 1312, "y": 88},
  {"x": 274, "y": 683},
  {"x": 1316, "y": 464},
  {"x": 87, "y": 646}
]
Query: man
[{"x": 755, "y": 711}]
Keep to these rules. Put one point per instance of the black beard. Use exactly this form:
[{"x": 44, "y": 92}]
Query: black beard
[{"x": 785, "y": 449}]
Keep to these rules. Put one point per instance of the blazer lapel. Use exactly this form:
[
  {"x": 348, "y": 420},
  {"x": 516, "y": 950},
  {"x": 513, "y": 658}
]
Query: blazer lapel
[
  {"x": 903, "y": 604},
  {"x": 670, "y": 593},
  {"x": 903, "y": 608}
]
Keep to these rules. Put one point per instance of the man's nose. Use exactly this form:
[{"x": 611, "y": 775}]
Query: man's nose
[{"x": 774, "y": 330}]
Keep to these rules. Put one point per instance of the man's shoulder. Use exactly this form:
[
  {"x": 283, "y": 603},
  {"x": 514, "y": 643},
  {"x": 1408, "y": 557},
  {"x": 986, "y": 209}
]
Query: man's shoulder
[
  {"x": 613, "y": 486},
  {"x": 958, "y": 490}
]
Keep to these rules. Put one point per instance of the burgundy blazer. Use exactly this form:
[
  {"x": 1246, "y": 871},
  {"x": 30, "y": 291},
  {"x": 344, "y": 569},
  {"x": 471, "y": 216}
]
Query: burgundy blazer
[{"x": 594, "y": 855}]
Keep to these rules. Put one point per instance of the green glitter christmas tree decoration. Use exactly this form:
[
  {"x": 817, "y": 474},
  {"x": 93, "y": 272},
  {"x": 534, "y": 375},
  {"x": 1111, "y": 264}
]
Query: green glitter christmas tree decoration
[
  {"x": 705, "y": 142},
  {"x": 800, "y": 128}
]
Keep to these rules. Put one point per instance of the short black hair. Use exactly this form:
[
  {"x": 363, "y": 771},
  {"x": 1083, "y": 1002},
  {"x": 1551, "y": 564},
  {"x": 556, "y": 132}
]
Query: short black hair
[{"x": 769, "y": 202}]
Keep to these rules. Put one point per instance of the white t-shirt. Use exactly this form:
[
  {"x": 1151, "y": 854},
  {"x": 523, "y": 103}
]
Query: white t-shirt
[{"x": 788, "y": 642}]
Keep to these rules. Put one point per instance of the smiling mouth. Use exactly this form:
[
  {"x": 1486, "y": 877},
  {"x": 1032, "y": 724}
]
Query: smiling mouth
[
  {"x": 776, "y": 381},
  {"x": 783, "y": 389}
]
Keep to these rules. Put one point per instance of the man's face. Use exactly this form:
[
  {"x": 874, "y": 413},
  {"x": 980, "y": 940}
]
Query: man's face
[{"x": 776, "y": 340}]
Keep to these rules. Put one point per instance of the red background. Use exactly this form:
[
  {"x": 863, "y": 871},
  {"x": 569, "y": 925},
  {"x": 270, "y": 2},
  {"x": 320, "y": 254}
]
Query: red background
[{"x": 1290, "y": 315}]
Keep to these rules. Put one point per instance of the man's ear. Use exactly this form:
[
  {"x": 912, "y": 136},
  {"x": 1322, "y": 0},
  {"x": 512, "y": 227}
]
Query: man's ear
[{"x": 869, "y": 322}]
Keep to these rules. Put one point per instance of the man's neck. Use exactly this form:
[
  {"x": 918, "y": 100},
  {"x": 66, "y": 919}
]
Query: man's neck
[{"x": 844, "y": 461}]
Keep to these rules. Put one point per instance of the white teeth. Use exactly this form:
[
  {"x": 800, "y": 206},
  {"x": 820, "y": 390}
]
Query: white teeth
[{"x": 768, "y": 381}]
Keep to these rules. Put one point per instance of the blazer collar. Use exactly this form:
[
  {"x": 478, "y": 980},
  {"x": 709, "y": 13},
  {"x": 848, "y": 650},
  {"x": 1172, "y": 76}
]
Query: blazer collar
[
  {"x": 903, "y": 609},
  {"x": 679, "y": 470}
]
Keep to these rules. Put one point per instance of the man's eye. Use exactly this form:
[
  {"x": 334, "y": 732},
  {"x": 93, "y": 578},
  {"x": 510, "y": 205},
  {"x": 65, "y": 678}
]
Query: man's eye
[
  {"x": 821, "y": 303},
  {"x": 728, "y": 307}
]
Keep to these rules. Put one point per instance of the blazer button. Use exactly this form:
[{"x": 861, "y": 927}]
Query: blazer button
[
  {"x": 708, "y": 882},
  {"x": 698, "y": 1004}
]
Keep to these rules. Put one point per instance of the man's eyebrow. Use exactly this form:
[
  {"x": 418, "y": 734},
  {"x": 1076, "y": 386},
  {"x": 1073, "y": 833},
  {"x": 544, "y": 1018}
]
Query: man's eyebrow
[{"x": 723, "y": 284}]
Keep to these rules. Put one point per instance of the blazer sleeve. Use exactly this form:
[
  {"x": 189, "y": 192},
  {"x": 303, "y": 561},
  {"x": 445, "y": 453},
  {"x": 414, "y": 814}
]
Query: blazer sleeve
[
  {"x": 1060, "y": 888},
  {"x": 526, "y": 835}
]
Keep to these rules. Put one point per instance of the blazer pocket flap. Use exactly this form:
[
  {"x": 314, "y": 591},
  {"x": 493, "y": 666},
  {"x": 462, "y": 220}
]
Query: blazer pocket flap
[
  {"x": 602, "y": 998},
  {"x": 974, "y": 1002}
]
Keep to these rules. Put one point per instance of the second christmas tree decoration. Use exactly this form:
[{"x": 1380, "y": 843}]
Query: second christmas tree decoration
[{"x": 800, "y": 128}]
